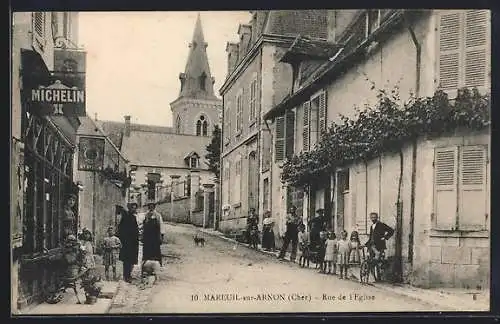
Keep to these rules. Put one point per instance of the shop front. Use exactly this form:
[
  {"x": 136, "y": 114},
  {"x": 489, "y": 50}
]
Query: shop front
[{"x": 45, "y": 181}]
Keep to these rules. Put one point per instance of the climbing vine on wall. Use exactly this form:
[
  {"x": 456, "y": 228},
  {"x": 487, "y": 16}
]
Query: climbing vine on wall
[{"x": 386, "y": 127}]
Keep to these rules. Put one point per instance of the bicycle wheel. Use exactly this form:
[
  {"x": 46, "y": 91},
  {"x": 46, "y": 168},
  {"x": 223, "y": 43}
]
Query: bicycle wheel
[{"x": 364, "y": 272}]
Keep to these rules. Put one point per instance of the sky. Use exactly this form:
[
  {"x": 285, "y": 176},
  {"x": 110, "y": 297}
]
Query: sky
[{"x": 134, "y": 59}]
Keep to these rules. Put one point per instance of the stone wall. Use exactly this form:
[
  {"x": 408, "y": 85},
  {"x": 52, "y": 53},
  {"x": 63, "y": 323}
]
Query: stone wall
[
  {"x": 460, "y": 261},
  {"x": 107, "y": 197},
  {"x": 197, "y": 218},
  {"x": 180, "y": 210}
]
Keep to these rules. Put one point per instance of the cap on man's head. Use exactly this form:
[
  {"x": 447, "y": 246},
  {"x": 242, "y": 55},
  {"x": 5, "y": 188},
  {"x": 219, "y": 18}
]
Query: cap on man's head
[{"x": 321, "y": 210}]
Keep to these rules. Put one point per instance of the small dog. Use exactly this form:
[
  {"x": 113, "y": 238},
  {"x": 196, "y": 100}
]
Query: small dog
[
  {"x": 199, "y": 240},
  {"x": 254, "y": 238},
  {"x": 149, "y": 271}
]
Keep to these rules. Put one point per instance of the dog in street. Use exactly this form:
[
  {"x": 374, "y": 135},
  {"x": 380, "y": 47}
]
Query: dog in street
[
  {"x": 149, "y": 272},
  {"x": 198, "y": 241}
]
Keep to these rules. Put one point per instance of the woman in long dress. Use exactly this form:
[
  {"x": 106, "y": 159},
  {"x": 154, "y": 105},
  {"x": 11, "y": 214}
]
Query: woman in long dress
[
  {"x": 268, "y": 232},
  {"x": 151, "y": 237}
]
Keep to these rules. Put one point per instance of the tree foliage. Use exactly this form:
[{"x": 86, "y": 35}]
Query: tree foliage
[
  {"x": 386, "y": 127},
  {"x": 213, "y": 149}
]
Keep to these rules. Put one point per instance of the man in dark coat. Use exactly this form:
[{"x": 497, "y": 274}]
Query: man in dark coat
[
  {"x": 291, "y": 234},
  {"x": 379, "y": 233},
  {"x": 316, "y": 226},
  {"x": 128, "y": 232},
  {"x": 151, "y": 235}
]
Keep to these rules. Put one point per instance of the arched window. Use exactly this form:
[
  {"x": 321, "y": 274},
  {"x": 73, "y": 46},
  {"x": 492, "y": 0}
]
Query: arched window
[
  {"x": 178, "y": 125},
  {"x": 205, "y": 128},
  {"x": 203, "y": 79},
  {"x": 202, "y": 126}
]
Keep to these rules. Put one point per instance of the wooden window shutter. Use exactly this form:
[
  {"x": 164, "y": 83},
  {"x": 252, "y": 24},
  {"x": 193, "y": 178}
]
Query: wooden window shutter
[
  {"x": 476, "y": 48},
  {"x": 472, "y": 186},
  {"x": 449, "y": 49},
  {"x": 39, "y": 29},
  {"x": 322, "y": 113},
  {"x": 279, "y": 142},
  {"x": 306, "y": 122},
  {"x": 39, "y": 23},
  {"x": 445, "y": 187},
  {"x": 290, "y": 134}
]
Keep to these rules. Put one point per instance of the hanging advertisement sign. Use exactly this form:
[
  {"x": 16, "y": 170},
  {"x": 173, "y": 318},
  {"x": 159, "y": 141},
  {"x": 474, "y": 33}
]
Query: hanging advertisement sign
[
  {"x": 91, "y": 153},
  {"x": 64, "y": 91}
]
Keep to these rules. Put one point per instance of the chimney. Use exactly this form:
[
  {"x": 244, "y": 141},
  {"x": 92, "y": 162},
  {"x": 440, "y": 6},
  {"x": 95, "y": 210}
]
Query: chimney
[
  {"x": 330, "y": 25},
  {"x": 245, "y": 32},
  {"x": 232, "y": 56},
  {"x": 127, "y": 126}
]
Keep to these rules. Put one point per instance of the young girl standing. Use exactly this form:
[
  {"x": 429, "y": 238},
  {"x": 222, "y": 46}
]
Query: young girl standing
[
  {"x": 112, "y": 246},
  {"x": 88, "y": 248},
  {"x": 331, "y": 253},
  {"x": 321, "y": 247},
  {"x": 354, "y": 249},
  {"x": 343, "y": 255}
]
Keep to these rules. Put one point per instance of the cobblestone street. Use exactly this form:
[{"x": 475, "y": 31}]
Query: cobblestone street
[{"x": 230, "y": 278}]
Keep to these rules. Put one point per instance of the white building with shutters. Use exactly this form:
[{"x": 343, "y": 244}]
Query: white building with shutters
[
  {"x": 255, "y": 82},
  {"x": 443, "y": 235}
]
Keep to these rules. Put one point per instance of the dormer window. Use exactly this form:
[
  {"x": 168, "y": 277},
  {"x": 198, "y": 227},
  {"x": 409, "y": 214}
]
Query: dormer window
[
  {"x": 193, "y": 163},
  {"x": 192, "y": 160}
]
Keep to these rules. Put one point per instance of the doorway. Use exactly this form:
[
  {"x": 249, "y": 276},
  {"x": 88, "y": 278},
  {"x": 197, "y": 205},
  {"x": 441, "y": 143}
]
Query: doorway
[{"x": 342, "y": 187}]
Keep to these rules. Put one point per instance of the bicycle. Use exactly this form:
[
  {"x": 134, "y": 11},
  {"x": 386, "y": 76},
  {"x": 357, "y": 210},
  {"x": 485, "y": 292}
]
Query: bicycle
[{"x": 373, "y": 262}]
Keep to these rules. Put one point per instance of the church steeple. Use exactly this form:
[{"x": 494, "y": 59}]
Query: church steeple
[{"x": 196, "y": 81}]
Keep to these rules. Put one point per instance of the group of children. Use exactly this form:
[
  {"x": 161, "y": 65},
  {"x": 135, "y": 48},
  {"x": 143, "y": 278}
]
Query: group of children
[
  {"x": 332, "y": 252},
  {"x": 111, "y": 247}
]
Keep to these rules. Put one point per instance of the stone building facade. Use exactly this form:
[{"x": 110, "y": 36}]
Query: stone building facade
[
  {"x": 255, "y": 82},
  {"x": 440, "y": 241}
]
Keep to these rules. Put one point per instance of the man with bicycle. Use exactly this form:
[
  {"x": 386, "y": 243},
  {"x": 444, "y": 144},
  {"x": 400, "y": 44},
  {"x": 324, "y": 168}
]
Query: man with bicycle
[{"x": 379, "y": 234}]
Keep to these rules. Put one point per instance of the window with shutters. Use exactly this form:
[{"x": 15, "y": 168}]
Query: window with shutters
[
  {"x": 227, "y": 124},
  {"x": 239, "y": 113},
  {"x": 279, "y": 139},
  {"x": 460, "y": 188},
  {"x": 266, "y": 151},
  {"x": 237, "y": 181},
  {"x": 39, "y": 29},
  {"x": 305, "y": 130},
  {"x": 463, "y": 49},
  {"x": 289, "y": 133},
  {"x": 253, "y": 102},
  {"x": 317, "y": 118}
]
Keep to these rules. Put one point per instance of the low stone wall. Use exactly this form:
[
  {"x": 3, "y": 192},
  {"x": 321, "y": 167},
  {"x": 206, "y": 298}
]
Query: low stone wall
[
  {"x": 461, "y": 262},
  {"x": 180, "y": 212},
  {"x": 197, "y": 218}
]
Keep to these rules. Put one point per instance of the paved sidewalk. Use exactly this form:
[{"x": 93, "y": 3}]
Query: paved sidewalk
[
  {"x": 69, "y": 304},
  {"x": 448, "y": 299}
]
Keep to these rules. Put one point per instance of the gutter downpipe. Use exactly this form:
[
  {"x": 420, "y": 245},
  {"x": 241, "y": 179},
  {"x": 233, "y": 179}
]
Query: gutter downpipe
[{"x": 418, "y": 49}]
